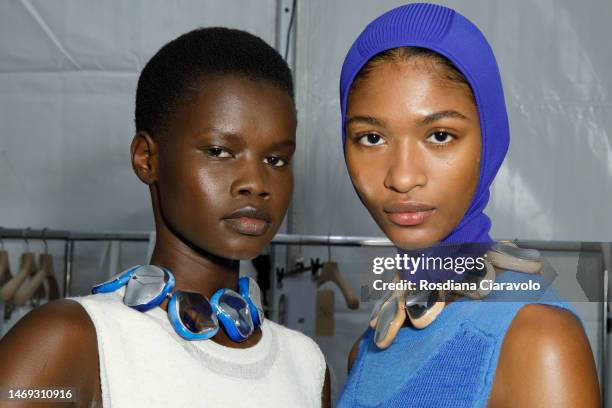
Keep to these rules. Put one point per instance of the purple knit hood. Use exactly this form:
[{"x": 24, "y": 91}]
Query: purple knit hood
[{"x": 446, "y": 32}]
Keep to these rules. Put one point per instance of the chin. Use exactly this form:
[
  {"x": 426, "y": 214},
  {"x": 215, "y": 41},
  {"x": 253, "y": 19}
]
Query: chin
[
  {"x": 242, "y": 255},
  {"x": 242, "y": 252},
  {"x": 407, "y": 241}
]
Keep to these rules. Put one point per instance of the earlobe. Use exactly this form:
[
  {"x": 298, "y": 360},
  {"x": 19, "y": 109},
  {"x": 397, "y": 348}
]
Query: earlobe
[{"x": 144, "y": 151}]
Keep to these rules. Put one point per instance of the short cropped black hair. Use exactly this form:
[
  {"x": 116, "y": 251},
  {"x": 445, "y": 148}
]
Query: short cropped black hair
[{"x": 176, "y": 69}]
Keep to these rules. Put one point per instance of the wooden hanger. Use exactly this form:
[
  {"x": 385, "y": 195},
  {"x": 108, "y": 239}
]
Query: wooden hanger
[
  {"x": 5, "y": 267},
  {"x": 330, "y": 272},
  {"x": 35, "y": 289},
  {"x": 27, "y": 268},
  {"x": 35, "y": 285}
]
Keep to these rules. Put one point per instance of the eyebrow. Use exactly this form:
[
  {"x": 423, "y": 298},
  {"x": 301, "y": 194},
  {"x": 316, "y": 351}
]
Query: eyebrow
[
  {"x": 232, "y": 135},
  {"x": 370, "y": 120},
  {"x": 285, "y": 143},
  {"x": 219, "y": 132},
  {"x": 442, "y": 115}
]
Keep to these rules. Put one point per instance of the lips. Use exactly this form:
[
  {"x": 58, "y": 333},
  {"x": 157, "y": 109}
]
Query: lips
[
  {"x": 408, "y": 213},
  {"x": 248, "y": 220}
]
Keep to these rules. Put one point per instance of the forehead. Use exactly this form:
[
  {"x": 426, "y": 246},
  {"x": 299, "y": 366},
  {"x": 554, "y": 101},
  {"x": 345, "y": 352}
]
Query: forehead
[
  {"x": 413, "y": 85},
  {"x": 237, "y": 104}
]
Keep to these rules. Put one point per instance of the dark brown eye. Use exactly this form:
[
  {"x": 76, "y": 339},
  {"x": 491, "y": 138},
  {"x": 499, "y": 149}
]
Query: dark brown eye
[
  {"x": 275, "y": 161},
  {"x": 440, "y": 138},
  {"x": 370, "y": 139},
  {"x": 218, "y": 152}
]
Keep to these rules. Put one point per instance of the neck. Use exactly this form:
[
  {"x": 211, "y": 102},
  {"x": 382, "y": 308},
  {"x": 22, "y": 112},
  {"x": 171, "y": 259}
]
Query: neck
[
  {"x": 197, "y": 271},
  {"x": 194, "y": 269}
]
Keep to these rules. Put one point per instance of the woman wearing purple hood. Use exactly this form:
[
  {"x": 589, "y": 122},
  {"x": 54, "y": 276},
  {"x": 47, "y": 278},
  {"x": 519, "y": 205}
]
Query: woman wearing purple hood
[{"x": 424, "y": 133}]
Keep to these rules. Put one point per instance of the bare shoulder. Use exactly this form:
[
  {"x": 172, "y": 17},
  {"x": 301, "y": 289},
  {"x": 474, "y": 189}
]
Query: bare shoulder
[
  {"x": 60, "y": 320},
  {"x": 55, "y": 344},
  {"x": 545, "y": 360}
]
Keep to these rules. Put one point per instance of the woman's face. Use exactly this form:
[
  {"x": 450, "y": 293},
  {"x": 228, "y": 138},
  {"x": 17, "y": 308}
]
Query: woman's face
[
  {"x": 224, "y": 176},
  {"x": 413, "y": 149}
]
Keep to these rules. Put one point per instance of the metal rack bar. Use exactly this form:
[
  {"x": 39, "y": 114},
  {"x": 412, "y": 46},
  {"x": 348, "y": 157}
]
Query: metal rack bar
[
  {"x": 331, "y": 240},
  {"x": 59, "y": 235},
  {"x": 279, "y": 239},
  {"x": 37, "y": 234}
]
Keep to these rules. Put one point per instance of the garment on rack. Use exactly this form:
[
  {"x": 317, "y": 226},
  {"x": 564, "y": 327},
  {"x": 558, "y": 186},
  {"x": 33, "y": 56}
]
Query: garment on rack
[
  {"x": 5, "y": 277},
  {"x": 144, "y": 363}
]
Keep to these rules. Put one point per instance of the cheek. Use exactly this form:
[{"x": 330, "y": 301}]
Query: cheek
[
  {"x": 209, "y": 182},
  {"x": 282, "y": 191},
  {"x": 188, "y": 187},
  {"x": 457, "y": 179},
  {"x": 365, "y": 177},
  {"x": 192, "y": 183}
]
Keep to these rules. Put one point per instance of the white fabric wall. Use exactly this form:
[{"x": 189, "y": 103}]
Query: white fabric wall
[{"x": 68, "y": 74}]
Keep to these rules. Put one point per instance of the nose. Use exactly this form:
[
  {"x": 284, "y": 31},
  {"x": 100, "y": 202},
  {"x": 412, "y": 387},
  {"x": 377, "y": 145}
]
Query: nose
[
  {"x": 406, "y": 168},
  {"x": 251, "y": 180}
]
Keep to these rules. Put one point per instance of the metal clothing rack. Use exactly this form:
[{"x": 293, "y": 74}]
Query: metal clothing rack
[{"x": 70, "y": 237}]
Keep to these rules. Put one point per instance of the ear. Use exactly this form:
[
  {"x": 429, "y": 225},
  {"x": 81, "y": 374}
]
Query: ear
[{"x": 144, "y": 153}]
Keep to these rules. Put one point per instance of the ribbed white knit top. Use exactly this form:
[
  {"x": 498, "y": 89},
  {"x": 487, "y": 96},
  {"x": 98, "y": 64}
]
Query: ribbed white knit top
[{"x": 144, "y": 363}]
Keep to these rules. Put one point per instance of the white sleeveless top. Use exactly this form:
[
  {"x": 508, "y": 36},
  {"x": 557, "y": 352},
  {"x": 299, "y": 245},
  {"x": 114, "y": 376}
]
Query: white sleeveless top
[{"x": 144, "y": 363}]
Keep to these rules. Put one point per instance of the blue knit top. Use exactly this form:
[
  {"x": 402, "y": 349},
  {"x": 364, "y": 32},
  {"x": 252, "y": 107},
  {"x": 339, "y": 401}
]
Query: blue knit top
[{"x": 451, "y": 362}]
